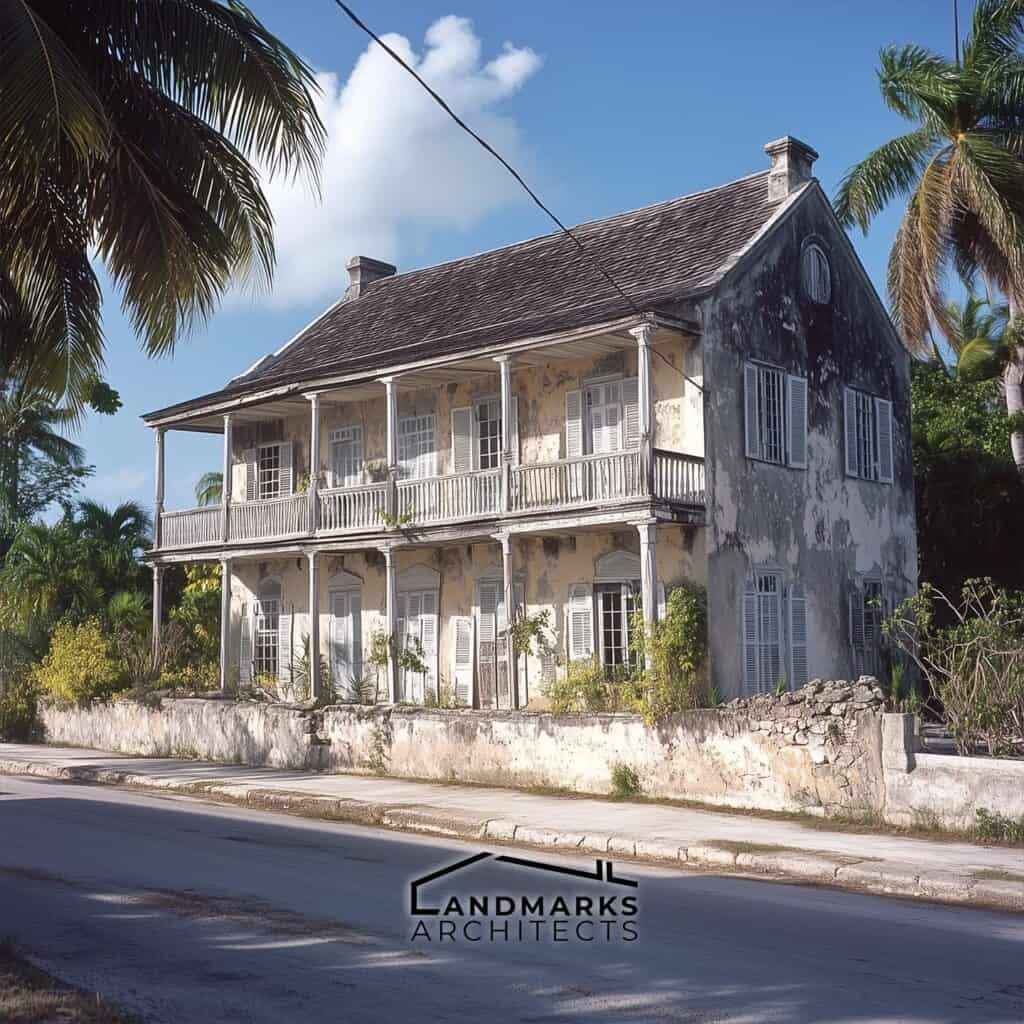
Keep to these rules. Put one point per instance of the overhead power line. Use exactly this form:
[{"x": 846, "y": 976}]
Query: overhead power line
[{"x": 442, "y": 103}]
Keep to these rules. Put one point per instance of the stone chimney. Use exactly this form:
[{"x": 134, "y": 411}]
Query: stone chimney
[
  {"x": 792, "y": 162},
  {"x": 362, "y": 272}
]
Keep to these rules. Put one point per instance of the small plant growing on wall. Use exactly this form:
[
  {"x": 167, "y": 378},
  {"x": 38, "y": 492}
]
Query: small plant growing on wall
[
  {"x": 531, "y": 634},
  {"x": 398, "y": 521},
  {"x": 625, "y": 781}
]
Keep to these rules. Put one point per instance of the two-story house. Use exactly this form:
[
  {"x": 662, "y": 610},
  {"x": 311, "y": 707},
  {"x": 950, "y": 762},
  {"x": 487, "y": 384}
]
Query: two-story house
[{"x": 510, "y": 431}]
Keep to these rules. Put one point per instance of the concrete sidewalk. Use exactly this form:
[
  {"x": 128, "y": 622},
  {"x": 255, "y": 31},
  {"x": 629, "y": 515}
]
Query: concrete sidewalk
[{"x": 955, "y": 872}]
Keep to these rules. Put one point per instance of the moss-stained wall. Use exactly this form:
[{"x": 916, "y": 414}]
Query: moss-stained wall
[{"x": 817, "y": 525}]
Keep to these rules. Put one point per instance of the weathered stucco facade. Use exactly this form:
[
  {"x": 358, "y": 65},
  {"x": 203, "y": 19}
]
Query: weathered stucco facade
[
  {"x": 822, "y": 528},
  {"x": 620, "y": 457}
]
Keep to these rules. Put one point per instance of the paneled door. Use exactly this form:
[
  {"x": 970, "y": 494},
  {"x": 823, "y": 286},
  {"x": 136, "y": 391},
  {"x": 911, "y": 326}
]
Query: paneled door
[{"x": 346, "y": 643}]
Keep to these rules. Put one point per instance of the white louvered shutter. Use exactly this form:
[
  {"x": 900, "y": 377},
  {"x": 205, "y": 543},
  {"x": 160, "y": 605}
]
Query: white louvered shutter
[
  {"x": 245, "y": 647},
  {"x": 573, "y": 424},
  {"x": 428, "y": 640},
  {"x": 631, "y": 413},
  {"x": 855, "y": 602},
  {"x": 513, "y": 433},
  {"x": 462, "y": 441},
  {"x": 751, "y": 637},
  {"x": 752, "y": 425},
  {"x": 284, "y": 646},
  {"x": 581, "y": 621},
  {"x": 462, "y": 660},
  {"x": 287, "y": 474},
  {"x": 850, "y": 431},
  {"x": 883, "y": 421},
  {"x": 487, "y": 631},
  {"x": 796, "y": 400},
  {"x": 797, "y": 636},
  {"x": 251, "y": 457}
]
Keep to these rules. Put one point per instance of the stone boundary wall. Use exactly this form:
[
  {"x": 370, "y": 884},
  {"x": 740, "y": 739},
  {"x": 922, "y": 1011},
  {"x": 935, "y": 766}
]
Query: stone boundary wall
[
  {"x": 827, "y": 749},
  {"x": 816, "y": 750}
]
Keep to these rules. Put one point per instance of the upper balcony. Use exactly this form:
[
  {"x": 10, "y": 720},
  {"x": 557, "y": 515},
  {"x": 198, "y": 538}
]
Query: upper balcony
[{"x": 605, "y": 425}]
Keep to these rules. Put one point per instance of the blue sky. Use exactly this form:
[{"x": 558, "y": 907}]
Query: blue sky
[{"x": 606, "y": 106}]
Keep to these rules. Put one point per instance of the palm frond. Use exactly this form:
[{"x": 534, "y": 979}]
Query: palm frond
[
  {"x": 891, "y": 170},
  {"x": 210, "y": 489},
  {"x": 918, "y": 84}
]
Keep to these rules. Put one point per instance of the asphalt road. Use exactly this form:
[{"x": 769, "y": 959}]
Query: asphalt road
[{"x": 188, "y": 911}]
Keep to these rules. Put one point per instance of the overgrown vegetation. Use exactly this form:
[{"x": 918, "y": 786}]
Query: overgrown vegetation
[
  {"x": 993, "y": 827},
  {"x": 625, "y": 781},
  {"x": 676, "y": 680},
  {"x": 974, "y": 665},
  {"x": 81, "y": 665}
]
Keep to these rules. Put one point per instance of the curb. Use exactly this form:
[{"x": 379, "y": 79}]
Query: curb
[{"x": 889, "y": 878}]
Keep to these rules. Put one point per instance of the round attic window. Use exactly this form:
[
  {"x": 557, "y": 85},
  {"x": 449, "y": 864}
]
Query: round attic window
[{"x": 815, "y": 274}]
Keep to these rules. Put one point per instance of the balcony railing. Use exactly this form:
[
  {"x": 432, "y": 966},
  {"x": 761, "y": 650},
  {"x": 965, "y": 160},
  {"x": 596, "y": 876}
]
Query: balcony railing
[
  {"x": 353, "y": 508},
  {"x": 450, "y": 498},
  {"x": 271, "y": 518},
  {"x": 191, "y": 527},
  {"x": 568, "y": 483}
]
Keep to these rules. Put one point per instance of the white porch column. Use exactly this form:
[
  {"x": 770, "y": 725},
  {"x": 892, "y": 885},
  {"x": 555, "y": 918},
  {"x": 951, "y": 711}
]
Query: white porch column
[
  {"x": 505, "y": 368},
  {"x": 643, "y": 334},
  {"x": 314, "y": 624},
  {"x": 391, "y": 619},
  {"x": 225, "y": 622},
  {"x": 391, "y": 398},
  {"x": 509, "y": 591},
  {"x": 158, "y": 496},
  {"x": 225, "y": 531},
  {"x": 648, "y": 575},
  {"x": 158, "y": 607},
  {"x": 314, "y": 462}
]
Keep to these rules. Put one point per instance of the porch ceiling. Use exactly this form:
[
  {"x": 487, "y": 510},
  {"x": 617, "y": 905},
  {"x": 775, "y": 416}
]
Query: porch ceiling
[{"x": 582, "y": 345}]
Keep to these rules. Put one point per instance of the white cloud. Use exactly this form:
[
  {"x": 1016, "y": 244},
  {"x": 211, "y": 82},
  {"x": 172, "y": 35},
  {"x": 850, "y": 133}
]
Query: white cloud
[{"x": 395, "y": 162}]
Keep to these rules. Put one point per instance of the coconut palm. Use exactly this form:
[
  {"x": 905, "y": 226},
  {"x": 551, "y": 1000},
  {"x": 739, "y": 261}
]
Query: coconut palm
[
  {"x": 961, "y": 169},
  {"x": 978, "y": 338},
  {"x": 210, "y": 489},
  {"x": 30, "y": 421},
  {"x": 127, "y": 128}
]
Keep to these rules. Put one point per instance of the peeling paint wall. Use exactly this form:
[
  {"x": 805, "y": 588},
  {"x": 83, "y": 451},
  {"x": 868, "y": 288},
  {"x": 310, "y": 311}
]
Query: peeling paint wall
[
  {"x": 546, "y": 566},
  {"x": 540, "y": 391},
  {"x": 817, "y": 525}
]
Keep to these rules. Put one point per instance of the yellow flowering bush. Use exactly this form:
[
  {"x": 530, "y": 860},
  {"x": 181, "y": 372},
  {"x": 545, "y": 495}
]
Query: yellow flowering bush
[{"x": 80, "y": 665}]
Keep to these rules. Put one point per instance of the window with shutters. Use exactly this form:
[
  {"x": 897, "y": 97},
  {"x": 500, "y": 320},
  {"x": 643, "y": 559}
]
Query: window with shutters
[
  {"x": 416, "y": 446},
  {"x": 763, "y": 661},
  {"x": 417, "y": 631},
  {"x": 346, "y": 639},
  {"x": 868, "y": 435},
  {"x": 867, "y": 613},
  {"x": 345, "y": 447},
  {"x": 815, "y": 274},
  {"x": 616, "y": 604},
  {"x": 269, "y": 471},
  {"x": 266, "y": 629},
  {"x": 488, "y": 433},
  {"x": 776, "y": 415},
  {"x": 604, "y": 417}
]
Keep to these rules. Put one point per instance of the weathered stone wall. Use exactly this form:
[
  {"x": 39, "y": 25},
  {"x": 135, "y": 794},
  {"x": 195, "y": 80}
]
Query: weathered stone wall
[{"x": 816, "y": 750}]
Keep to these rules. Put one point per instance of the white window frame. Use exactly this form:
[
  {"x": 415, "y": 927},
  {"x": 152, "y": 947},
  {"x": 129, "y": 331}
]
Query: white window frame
[
  {"x": 266, "y": 629},
  {"x": 348, "y": 438},
  {"x": 868, "y": 436},
  {"x": 492, "y": 457},
  {"x": 629, "y": 602},
  {"x": 775, "y": 415},
  {"x": 268, "y": 477},
  {"x": 353, "y": 598},
  {"x": 413, "y": 431}
]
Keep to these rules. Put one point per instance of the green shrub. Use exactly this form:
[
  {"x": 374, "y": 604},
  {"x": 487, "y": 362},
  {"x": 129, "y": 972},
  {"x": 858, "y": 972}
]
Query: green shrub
[
  {"x": 625, "y": 780},
  {"x": 998, "y": 828},
  {"x": 589, "y": 686},
  {"x": 975, "y": 665},
  {"x": 80, "y": 665},
  {"x": 19, "y": 712}
]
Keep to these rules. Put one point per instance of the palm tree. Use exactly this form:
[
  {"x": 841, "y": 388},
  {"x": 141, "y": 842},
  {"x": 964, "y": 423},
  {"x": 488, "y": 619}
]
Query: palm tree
[
  {"x": 962, "y": 173},
  {"x": 127, "y": 128},
  {"x": 46, "y": 576},
  {"x": 210, "y": 489},
  {"x": 113, "y": 539},
  {"x": 30, "y": 421},
  {"x": 978, "y": 338}
]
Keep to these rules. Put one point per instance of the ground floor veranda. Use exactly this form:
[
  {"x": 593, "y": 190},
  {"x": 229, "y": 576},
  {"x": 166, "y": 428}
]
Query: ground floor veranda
[{"x": 448, "y": 603}]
